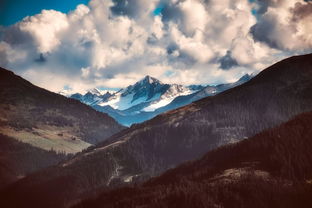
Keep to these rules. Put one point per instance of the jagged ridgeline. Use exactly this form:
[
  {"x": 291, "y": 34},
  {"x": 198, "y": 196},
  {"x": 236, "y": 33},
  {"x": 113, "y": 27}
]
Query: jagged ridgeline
[{"x": 148, "y": 98}]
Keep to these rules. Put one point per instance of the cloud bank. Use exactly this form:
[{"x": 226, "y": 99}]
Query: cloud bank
[{"x": 112, "y": 43}]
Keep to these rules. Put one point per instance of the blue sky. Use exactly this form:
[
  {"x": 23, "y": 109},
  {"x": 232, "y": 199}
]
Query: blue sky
[{"x": 12, "y": 11}]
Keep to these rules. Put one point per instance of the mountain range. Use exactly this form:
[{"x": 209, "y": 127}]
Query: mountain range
[
  {"x": 146, "y": 150},
  {"x": 148, "y": 98}
]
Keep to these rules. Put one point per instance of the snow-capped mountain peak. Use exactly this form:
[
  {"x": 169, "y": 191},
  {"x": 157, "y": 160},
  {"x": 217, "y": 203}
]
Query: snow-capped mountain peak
[
  {"x": 145, "y": 89},
  {"x": 148, "y": 97},
  {"x": 149, "y": 80},
  {"x": 95, "y": 91}
]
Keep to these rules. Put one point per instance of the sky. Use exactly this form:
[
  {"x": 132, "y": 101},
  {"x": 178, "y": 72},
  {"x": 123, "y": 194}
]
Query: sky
[
  {"x": 78, "y": 45},
  {"x": 12, "y": 11}
]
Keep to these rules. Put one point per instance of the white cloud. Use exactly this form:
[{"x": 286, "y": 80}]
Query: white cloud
[
  {"x": 44, "y": 28},
  {"x": 286, "y": 25},
  {"x": 114, "y": 43},
  {"x": 195, "y": 16}
]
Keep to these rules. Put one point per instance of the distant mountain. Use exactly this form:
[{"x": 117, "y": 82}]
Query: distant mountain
[
  {"x": 145, "y": 150},
  {"x": 149, "y": 97},
  {"x": 202, "y": 93},
  {"x": 92, "y": 97},
  {"x": 271, "y": 169},
  {"x": 137, "y": 102},
  {"x": 52, "y": 126}
]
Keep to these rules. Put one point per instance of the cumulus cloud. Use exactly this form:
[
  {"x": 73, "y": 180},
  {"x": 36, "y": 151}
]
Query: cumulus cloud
[
  {"x": 44, "y": 29},
  {"x": 285, "y": 25},
  {"x": 112, "y": 43}
]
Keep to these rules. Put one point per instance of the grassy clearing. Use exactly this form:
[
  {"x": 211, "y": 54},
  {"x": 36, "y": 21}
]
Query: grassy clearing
[{"x": 59, "y": 140}]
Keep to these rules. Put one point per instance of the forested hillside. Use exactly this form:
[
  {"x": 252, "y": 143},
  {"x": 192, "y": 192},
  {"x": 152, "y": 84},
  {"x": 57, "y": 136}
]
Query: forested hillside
[{"x": 271, "y": 169}]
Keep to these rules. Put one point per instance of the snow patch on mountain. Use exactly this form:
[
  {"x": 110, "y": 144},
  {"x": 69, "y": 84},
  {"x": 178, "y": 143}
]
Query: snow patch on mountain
[
  {"x": 120, "y": 102},
  {"x": 148, "y": 90},
  {"x": 149, "y": 97},
  {"x": 173, "y": 92}
]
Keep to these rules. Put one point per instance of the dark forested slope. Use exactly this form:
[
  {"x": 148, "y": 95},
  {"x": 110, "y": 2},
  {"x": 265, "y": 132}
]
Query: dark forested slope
[
  {"x": 271, "y": 169},
  {"x": 32, "y": 118},
  {"x": 18, "y": 159}
]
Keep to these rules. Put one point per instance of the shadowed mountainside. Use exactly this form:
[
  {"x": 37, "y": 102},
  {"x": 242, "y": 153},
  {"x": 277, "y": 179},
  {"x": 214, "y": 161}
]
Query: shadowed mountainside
[
  {"x": 148, "y": 149},
  {"x": 271, "y": 169},
  {"x": 48, "y": 120},
  {"x": 39, "y": 127},
  {"x": 18, "y": 159}
]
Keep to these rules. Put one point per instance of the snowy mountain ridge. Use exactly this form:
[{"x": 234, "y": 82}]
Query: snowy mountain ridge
[
  {"x": 148, "y": 97},
  {"x": 149, "y": 91}
]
